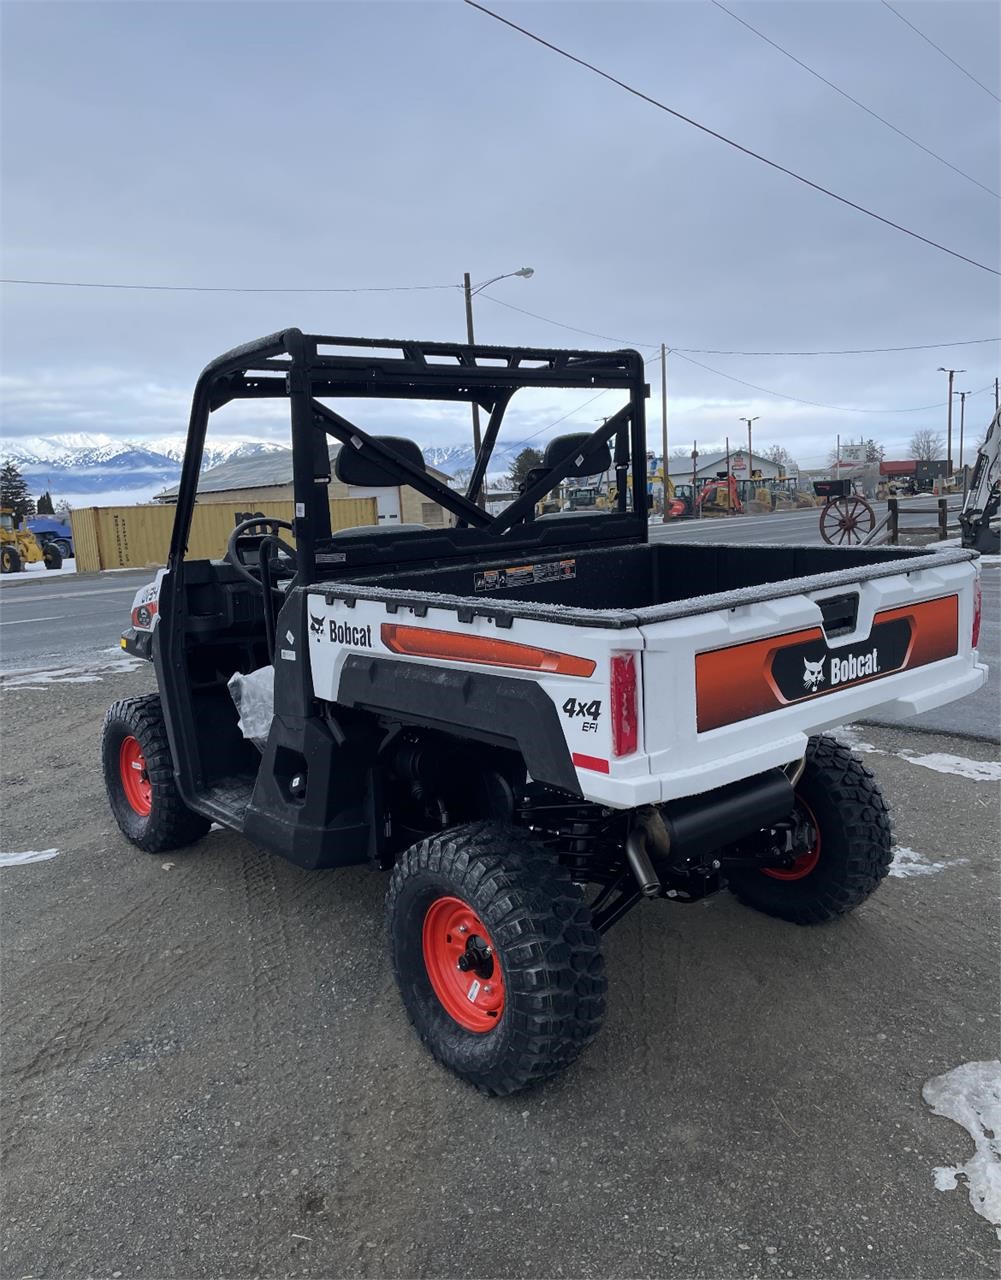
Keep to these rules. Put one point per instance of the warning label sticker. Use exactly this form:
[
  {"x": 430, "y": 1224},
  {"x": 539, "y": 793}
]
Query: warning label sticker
[{"x": 524, "y": 575}]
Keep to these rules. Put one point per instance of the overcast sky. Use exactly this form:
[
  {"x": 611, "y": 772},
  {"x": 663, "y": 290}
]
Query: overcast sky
[{"x": 400, "y": 144}]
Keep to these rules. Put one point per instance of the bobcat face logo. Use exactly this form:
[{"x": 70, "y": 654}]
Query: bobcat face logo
[
  {"x": 813, "y": 674},
  {"x": 316, "y": 626}
]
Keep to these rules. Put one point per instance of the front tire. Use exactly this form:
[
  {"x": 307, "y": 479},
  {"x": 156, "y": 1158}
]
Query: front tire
[
  {"x": 139, "y": 778},
  {"x": 852, "y": 851},
  {"x": 495, "y": 955},
  {"x": 52, "y": 556}
]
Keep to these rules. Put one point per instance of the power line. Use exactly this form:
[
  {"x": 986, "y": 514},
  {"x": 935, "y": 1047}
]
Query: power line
[
  {"x": 844, "y": 351},
  {"x": 714, "y": 351},
  {"x": 928, "y": 40},
  {"x": 589, "y": 333},
  {"x": 773, "y": 164},
  {"x": 682, "y": 354},
  {"x": 204, "y": 288},
  {"x": 816, "y": 404},
  {"x": 861, "y": 105}
]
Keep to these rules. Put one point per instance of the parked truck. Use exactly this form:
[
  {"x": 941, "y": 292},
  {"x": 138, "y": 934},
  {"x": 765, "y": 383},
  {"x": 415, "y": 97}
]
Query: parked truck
[{"x": 530, "y": 723}]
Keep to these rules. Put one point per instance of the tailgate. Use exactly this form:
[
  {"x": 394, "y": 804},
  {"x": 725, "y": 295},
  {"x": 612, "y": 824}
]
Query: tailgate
[{"x": 739, "y": 690}]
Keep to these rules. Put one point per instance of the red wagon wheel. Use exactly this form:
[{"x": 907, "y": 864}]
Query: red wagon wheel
[{"x": 846, "y": 520}]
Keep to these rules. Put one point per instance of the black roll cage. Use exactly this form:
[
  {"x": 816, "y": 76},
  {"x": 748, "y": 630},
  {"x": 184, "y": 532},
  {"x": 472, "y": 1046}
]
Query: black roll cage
[{"x": 294, "y": 365}]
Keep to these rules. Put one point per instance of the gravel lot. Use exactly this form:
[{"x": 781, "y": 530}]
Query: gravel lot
[{"x": 208, "y": 1072}]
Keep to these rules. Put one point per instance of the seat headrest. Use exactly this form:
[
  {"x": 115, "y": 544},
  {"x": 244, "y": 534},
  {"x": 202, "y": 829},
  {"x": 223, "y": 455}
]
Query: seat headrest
[
  {"x": 582, "y": 463},
  {"x": 352, "y": 467}
]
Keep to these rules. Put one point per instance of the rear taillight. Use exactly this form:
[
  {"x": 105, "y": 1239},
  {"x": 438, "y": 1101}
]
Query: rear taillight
[
  {"x": 977, "y": 610},
  {"x": 625, "y": 713}
]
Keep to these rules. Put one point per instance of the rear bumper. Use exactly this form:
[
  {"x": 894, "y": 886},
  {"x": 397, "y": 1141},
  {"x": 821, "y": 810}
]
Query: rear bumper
[{"x": 915, "y": 704}]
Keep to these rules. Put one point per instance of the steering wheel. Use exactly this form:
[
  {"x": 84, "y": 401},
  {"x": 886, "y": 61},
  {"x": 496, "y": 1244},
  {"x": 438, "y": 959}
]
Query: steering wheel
[{"x": 240, "y": 540}]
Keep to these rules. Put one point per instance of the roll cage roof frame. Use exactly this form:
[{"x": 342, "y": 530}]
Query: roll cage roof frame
[{"x": 295, "y": 365}]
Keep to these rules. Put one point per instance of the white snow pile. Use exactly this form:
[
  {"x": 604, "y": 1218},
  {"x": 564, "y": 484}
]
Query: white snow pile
[
  {"x": 38, "y": 570},
  {"x": 27, "y": 855},
  {"x": 908, "y": 862},
  {"x": 941, "y": 762},
  {"x": 971, "y": 1096},
  {"x": 938, "y": 761},
  {"x": 91, "y": 670}
]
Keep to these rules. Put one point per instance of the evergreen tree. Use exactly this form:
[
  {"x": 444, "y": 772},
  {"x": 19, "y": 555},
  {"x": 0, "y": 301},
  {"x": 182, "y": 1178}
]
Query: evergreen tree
[
  {"x": 14, "y": 495},
  {"x": 523, "y": 464},
  {"x": 45, "y": 507}
]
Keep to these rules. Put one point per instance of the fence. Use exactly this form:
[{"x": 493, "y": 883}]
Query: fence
[
  {"x": 889, "y": 529},
  {"x": 138, "y": 537}
]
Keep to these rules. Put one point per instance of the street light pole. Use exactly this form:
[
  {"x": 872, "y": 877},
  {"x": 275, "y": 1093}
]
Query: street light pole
[
  {"x": 471, "y": 339},
  {"x": 948, "y": 448},
  {"x": 663, "y": 419},
  {"x": 525, "y": 273},
  {"x": 962, "y": 420}
]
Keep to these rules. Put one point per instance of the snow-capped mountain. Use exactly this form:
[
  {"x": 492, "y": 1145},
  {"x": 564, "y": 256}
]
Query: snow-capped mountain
[
  {"x": 457, "y": 459},
  {"x": 98, "y": 470},
  {"x": 94, "y": 470}
]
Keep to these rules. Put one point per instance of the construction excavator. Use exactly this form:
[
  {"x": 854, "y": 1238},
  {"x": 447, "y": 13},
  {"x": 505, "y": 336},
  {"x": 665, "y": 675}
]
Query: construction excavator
[
  {"x": 720, "y": 497},
  {"x": 983, "y": 497}
]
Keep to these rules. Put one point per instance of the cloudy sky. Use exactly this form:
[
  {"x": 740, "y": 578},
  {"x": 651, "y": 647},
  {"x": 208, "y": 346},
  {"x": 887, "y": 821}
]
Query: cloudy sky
[{"x": 382, "y": 144}]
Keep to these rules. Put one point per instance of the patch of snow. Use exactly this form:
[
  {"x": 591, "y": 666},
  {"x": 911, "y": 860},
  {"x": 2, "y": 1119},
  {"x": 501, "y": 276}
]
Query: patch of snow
[
  {"x": 28, "y": 855},
  {"x": 971, "y": 1096},
  {"x": 33, "y": 572},
  {"x": 941, "y": 762},
  {"x": 90, "y": 671},
  {"x": 908, "y": 862}
]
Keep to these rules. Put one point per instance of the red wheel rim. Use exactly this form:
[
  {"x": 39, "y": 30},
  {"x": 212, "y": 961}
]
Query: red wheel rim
[
  {"x": 135, "y": 778},
  {"x": 805, "y": 863},
  {"x": 461, "y": 964}
]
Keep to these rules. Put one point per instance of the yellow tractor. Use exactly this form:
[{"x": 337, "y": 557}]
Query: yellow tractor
[{"x": 20, "y": 547}]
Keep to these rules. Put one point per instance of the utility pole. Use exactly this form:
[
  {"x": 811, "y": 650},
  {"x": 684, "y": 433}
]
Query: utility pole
[
  {"x": 962, "y": 419},
  {"x": 996, "y": 395},
  {"x": 695, "y": 479},
  {"x": 837, "y": 460},
  {"x": 467, "y": 289},
  {"x": 750, "y": 456},
  {"x": 948, "y": 448},
  {"x": 663, "y": 418}
]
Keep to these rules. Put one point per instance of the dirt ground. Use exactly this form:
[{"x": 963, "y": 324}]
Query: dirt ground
[{"x": 208, "y": 1072}]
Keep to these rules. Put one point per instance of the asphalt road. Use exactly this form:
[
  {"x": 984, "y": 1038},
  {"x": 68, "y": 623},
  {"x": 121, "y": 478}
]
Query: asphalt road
[
  {"x": 60, "y": 620},
  {"x": 208, "y": 1073},
  {"x": 785, "y": 526}
]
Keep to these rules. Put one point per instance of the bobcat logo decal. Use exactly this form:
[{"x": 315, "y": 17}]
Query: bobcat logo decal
[
  {"x": 316, "y": 626},
  {"x": 813, "y": 674}
]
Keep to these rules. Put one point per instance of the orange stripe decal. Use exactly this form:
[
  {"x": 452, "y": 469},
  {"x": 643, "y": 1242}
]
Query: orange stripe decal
[
  {"x": 747, "y": 680},
  {"x": 423, "y": 642}
]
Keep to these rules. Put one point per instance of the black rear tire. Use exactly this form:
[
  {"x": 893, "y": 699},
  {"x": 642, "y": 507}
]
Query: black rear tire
[
  {"x": 855, "y": 842},
  {"x": 65, "y": 548},
  {"x": 52, "y": 556},
  {"x": 545, "y": 947},
  {"x": 10, "y": 560},
  {"x": 169, "y": 823}
]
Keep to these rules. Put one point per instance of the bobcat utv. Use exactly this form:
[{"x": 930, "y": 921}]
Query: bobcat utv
[{"x": 531, "y": 722}]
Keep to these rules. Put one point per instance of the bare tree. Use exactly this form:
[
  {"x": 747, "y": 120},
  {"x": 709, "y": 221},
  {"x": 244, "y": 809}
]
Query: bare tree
[
  {"x": 781, "y": 456},
  {"x": 927, "y": 445}
]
